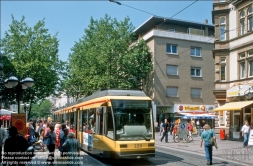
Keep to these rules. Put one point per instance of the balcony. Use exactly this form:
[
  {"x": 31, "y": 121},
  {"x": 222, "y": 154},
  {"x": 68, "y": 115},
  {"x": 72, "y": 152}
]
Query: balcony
[{"x": 177, "y": 35}]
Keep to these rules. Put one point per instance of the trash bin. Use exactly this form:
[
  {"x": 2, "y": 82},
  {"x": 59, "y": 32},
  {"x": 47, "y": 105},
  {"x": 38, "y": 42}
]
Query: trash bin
[{"x": 222, "y": 134}]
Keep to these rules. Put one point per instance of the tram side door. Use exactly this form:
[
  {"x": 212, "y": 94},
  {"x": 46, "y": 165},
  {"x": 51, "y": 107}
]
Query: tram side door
[{"x": 101, "y": 126}]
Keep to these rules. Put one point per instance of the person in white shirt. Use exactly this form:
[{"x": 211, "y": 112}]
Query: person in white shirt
[
  {"x": 67, "y": 124},
  {"x": 245, "y": 134}
]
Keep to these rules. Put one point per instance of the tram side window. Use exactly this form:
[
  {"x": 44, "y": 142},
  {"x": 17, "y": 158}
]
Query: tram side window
[
  {"x": 85, "y": 120},
  {"x": 72, "y": 118},
  {"x": 80, "y": 121},
  {"x": 109, "y": 127},
  {"x": 92, "y": 120}
]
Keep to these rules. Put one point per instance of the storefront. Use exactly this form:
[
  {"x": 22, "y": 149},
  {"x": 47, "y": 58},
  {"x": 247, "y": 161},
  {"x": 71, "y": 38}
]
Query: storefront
[{"x": 238, "y": 113}]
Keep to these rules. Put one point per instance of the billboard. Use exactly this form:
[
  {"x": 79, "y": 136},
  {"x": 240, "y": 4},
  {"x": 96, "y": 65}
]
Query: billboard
[{"x": 19, "y": 121}]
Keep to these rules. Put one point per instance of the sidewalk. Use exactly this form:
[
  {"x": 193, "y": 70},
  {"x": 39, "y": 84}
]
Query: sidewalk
[{"x": 227, "y": 151}]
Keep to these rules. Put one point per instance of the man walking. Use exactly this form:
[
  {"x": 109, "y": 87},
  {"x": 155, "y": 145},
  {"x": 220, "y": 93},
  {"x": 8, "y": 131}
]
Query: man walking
[{"x": 165, "y": 130}]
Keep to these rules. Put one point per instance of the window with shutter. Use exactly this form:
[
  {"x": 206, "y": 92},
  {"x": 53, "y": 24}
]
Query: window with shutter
[
  {"x": 172, "y": 70},
  {"x": 172, "y": 91},
  {"x": 196, "y": 92}
]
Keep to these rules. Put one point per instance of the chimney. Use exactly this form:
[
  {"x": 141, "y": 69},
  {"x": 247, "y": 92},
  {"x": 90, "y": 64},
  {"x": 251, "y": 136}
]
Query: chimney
[{"x": 206, "y": 21}]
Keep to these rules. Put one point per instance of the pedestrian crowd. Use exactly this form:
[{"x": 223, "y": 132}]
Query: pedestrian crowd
[{"x": 51, "y": 135}]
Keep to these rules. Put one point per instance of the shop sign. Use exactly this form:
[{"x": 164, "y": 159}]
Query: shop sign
[
  {"x": 237, "y": 90},
  {"x": 192, "y": 108}
]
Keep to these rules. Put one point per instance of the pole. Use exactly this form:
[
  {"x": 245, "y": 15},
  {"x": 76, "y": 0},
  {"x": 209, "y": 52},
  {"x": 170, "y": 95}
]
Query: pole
[{"x": 19, "y": 90}]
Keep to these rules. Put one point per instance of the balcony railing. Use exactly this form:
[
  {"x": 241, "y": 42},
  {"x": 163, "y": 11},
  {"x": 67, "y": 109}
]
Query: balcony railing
[{"x": 177, "y": 35}]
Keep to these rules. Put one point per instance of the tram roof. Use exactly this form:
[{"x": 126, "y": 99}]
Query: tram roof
[{"x": 111, "y": 92}]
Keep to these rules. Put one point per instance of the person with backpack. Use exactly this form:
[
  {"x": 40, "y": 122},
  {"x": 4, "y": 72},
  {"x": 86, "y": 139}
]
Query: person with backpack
[{"x": 15, "y": 143}]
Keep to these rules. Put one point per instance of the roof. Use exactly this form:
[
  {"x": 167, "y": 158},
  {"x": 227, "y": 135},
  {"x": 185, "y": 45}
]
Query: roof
[
  {"x": 156, "y": 20},
  {"x": 110, "y": 93}
]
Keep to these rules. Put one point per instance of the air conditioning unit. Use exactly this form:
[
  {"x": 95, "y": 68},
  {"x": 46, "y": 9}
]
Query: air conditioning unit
[
  {"x": 193, "y": 31},
  {"x": 217, "y": 70}
]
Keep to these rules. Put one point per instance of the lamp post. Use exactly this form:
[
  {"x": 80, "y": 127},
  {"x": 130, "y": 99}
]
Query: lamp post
[
  {"x": 249, "y": 95},
  {"x": 19, "y": 85}
]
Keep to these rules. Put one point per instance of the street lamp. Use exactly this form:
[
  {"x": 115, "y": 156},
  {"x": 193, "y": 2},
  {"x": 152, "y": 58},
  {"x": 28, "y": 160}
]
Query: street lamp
[
  {"x": 20, "y": 85},
  {"x": 249, "y": 95}
]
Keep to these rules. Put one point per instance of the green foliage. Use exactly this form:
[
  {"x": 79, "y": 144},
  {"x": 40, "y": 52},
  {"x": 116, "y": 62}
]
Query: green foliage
[
  {"x": 43, "y": 109},
  {"x": 107, "y": 57},
  {"x": 33, "y": 52}
]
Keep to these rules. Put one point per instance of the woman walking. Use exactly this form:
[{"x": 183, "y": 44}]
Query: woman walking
[
  {"x": 245, "y": 134},
  {"x": 50, "y": 142},
  {"x": 206, "y": 136},
  {"x": 73, "y": 147}
]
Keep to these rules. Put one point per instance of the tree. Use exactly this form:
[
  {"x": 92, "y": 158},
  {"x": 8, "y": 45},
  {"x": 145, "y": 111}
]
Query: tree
[
  {"x": 33, "y": 53},
  {"x": 107, "y": 57},
  {"x": 42, "y": 109}
]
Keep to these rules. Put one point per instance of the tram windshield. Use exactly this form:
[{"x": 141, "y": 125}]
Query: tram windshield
[{"x": 133, "y": 119}]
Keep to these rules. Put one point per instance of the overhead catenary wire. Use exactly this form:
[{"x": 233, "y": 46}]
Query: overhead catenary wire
[{"x": 119, "y": 3}]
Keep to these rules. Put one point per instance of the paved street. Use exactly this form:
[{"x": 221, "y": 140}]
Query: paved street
[{"x": 230, "y": 153}]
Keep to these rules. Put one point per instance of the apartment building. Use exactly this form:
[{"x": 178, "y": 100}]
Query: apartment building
[
  {"x": 233, "y": 55},
  {"x": 182, "y": 81}
]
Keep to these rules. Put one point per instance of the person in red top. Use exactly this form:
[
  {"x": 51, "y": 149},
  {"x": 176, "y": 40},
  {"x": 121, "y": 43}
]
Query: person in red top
[
  {"x": 89, "y": 130},
  {"x": 58, "y": 129},
  {"x": 189, "y": 128},
  {"x": 71, "y": 129}
]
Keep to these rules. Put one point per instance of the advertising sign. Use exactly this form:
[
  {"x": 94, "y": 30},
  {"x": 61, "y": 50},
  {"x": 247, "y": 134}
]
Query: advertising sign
[
  {"x": 192, "y": 108},
  {"x": 250, "y": 138},
  {"x": 182, "y": 133},
  {"x": 88, "y": 139},
  {"x": 237, "y": 90},
  {"x": 19, "y": 121}
]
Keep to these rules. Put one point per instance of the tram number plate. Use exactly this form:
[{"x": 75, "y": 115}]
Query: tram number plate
[{"x": 137, "y": 145}]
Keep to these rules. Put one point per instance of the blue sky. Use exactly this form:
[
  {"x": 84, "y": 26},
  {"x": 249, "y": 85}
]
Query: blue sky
[{"x": 70, "y": 18}]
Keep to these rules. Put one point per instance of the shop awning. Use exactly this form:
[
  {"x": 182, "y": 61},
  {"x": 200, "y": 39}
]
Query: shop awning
[{"x": 233, "y": 106}]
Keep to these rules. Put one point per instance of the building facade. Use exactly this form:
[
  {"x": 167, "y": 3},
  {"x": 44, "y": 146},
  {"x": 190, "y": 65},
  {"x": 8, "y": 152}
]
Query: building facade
[
  {"x": 182, "y": 80},
  {"x": 233, "y": 55}
]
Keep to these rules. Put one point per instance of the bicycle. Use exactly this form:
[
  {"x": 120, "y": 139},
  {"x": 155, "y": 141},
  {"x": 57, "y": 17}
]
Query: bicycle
[{"x": 188, "y": 139}]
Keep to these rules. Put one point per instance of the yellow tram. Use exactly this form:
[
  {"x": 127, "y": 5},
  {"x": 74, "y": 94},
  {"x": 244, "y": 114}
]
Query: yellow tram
[{"x": 113, "y": 123}]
